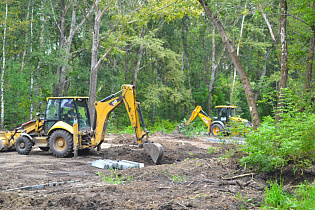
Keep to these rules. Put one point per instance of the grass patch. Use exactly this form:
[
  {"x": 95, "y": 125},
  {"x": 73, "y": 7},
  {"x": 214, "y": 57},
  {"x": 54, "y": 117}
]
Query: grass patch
[
  {"x": 301, "y": 198},
  {"x": 114, "y": 178}
]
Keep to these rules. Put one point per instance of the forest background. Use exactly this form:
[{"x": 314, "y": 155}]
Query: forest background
[{"x": 175, "y": 52}]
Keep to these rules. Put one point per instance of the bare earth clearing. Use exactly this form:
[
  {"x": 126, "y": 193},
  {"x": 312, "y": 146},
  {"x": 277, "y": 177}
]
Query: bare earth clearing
[{"x": 189, "y": 178}]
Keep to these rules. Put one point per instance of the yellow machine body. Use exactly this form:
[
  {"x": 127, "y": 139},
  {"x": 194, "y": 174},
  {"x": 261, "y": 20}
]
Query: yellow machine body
[
  {"x": 223, "y": 115},
  {"x": 63, "y": 137}
]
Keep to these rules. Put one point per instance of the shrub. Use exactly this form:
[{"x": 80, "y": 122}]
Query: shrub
[{"x": 291, "y": 140}]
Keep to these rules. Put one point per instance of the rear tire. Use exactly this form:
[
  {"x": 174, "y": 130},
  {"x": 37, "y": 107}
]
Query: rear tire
[
  {"x": 216, "y": 129},
  {"x": 23, "y": 145},
  {"x": 61, "y": 143}
]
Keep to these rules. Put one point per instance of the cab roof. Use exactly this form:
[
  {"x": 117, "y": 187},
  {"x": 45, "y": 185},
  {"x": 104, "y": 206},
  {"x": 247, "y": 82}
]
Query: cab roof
[
  {"x": 67, "y": 97},
  {"x": 223, "y": 106}
]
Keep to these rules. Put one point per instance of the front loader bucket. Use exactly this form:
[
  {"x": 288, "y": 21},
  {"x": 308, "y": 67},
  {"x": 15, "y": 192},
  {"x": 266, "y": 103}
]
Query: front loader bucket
[
  {"x": 1, "y": 145},
  {"x": 155, "y": 150}
]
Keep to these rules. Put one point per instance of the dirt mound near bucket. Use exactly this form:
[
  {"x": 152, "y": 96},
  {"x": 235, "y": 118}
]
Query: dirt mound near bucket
[{"x": 125, "y": 138}]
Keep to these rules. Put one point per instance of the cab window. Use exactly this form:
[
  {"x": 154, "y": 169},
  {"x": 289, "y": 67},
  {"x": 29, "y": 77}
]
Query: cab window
[
  {"x": 83, "y": 116},
  {"x": 68, "y": 112},
  {"x": 223, "y": 114},
  {"x": 52, "y": 109}
]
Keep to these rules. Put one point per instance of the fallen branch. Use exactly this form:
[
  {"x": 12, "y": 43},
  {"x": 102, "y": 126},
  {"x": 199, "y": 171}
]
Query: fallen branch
[
  {"x": 239, "y": 176},
  {"x": 181, "y": 205},
  {"x": 161, "y": 188},
  {"x": 239, "y": 184}
]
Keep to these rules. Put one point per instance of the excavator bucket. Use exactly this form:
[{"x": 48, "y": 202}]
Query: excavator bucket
[{"x": 155, "y": 150}]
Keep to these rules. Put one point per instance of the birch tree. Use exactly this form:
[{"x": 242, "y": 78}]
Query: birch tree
[
  {"x": 283, "y": 59},
  {"x": 31, "y": 66},
  {"x": 214, "y": 66},
  {"x": 3, "y": 65},
  {"x": 139, "y": 57}
]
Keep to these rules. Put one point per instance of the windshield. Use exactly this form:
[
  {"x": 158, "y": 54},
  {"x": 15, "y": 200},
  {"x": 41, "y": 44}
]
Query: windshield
[
  {"x": 83, "y": 116},
  {"x": 233, "y": 112}
]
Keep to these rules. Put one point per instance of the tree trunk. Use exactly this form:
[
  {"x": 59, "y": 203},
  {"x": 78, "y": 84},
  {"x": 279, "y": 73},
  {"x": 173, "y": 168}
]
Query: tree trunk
[
  {"x": 213, "y": 69},
  {"x": 238, "y": 50},
  {"x": 94, "y": 67},
  {"x": 184, "y": 45},
  {"x": 62, "y": 38},
  {"x": 231, "y": 79},
  {"x": 31, "y": 67},
  {"x": 26, "y": 38},
  {"x": 269, "y": 26},
  {"x": 283, "y": 59},
  {"x": 139, "y": 58},
  {"x": 67, "y": 48},
  {"x": 263, "y": 74},
  {"x": 309, "y": 68},
  {"x": 237, "y": 63},
  {"x": 41, "y": 45},
  {"x": 3, "y": 65}
]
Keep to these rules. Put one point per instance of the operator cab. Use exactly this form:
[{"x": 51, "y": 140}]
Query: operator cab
[
  {"x": 67, "y": 109},
  {"x": 224, "y": 113}
]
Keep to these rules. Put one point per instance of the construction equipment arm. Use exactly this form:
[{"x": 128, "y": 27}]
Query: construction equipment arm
[
  {"x": 203, "y": 116},
  {"x": 108, "y": 104}
]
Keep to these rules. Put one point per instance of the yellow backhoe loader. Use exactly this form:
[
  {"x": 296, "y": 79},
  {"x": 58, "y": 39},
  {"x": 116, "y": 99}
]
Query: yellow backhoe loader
[
  {"x": 66, "y": 126},
  {"x": 222, "y": 116}
]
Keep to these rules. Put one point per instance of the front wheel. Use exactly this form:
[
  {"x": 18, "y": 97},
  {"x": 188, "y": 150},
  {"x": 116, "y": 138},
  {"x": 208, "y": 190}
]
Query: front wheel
[
  {"x": 23, "y": 145},
  {"x": 61, "y": 143},
  {"x": 216, "y": 129}
]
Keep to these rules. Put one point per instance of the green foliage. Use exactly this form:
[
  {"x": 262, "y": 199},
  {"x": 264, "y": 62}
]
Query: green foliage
[
  {"x": 301, "y": 198},
  {"x": 240, "y": 197},
  {"x": 162, "y": 125},
  {"x": 129, "y": 130},
  {"x": 239, "y": 128},
  {"x": 114, "y": 178},
  {"x": 195, "y": 128},
  {"x": 291, "y": 140},
  {"x": 213, "y": 150}
]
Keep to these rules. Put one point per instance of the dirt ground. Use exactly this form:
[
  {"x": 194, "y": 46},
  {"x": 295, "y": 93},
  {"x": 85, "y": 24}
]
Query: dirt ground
[{"x": 191, "y": 176}]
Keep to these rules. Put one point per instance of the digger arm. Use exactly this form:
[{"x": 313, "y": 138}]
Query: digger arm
[
  {"x": 107, "y": 105},
  {"x": 204, "y": 117}
]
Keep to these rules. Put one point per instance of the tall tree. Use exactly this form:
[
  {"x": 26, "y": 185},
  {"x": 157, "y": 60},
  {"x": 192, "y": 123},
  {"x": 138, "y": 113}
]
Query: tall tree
[
  {"x": 310, "y": 59},
  {"x": 237, "y": 63},
  {"x": 3, "y": 65},
  {"x": 214, "y": 65},
  {"x": 139, "y": 57},
  {"x": 96, "y": 41},
  {"x": 66, "y": 41},
  {"x": 283, "y": 59}
]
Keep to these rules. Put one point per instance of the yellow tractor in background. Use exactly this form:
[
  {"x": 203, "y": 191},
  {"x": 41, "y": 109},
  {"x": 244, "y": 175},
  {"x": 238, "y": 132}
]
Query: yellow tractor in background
[
  {"x": 221, "y": 118},
  {"x": 66, "y": 126}
]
